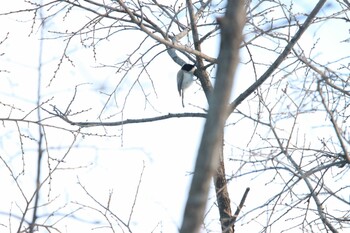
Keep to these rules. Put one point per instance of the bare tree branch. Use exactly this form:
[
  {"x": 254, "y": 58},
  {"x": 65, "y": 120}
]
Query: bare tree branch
[
  {"x": 64, "y": 117},
  {"x": 279, "y": 59}
]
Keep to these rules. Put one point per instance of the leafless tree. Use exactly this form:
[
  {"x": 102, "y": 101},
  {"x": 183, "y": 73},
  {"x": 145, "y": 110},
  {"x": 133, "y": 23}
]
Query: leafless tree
[{"x": 278, "y": 145}]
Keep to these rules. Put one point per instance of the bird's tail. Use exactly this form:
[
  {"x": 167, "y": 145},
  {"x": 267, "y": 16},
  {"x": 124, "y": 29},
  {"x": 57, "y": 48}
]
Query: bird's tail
[{"x": 182, "y": 98}]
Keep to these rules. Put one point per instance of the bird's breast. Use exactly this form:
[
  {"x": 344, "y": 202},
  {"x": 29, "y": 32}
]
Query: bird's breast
[{"x": 187, "y": 80}]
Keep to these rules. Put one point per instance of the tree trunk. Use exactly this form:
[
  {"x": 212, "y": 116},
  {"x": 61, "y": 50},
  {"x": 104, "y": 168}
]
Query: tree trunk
[
  {"x": 209, "y": 162},
  {"x": 222, "y": 195}
]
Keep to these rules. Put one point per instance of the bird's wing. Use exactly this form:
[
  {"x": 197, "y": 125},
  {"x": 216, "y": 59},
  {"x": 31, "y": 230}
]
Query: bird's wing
[{"x": 180, "y": 79}]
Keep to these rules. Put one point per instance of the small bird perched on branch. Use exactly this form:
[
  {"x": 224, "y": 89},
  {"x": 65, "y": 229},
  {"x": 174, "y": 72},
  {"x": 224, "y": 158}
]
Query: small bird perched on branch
[{"x": 185, "y": 79}]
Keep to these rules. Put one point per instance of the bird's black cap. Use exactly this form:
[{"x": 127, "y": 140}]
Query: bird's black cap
[{"x": 187, "y": 67}]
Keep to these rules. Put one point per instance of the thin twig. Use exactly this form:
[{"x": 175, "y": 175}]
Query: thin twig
[{"x": 240, "y": 206}]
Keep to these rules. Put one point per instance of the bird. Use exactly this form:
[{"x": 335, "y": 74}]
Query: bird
[{"x": 185, "y": 79}]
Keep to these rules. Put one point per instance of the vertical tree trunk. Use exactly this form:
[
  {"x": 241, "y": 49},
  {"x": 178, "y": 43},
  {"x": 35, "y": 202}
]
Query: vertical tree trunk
[
  {"x": 208, "y": 159},
  {"x": 222, "y": 195}
]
